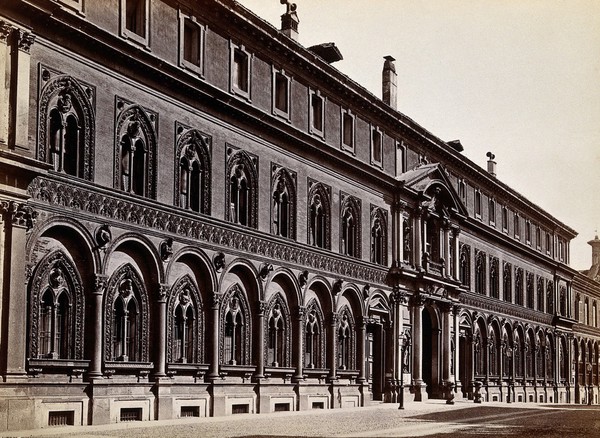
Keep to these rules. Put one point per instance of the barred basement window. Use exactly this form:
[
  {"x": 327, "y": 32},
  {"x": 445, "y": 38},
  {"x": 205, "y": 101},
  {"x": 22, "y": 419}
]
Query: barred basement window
[
  {"x": 61, "y": 418},
  {"x": 189, "y": 411},
  {"x": 130, "y": 414},
  {"x": 240, "y": 409},
  {"x": 318, "y": 405},
  {"x": 282, "y": 407}
]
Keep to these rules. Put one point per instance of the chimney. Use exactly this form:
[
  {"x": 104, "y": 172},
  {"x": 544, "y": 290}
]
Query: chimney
[
  {"x": 289, "y": 20},
  {"x": 491, "y": 164},
  {"x": 388, "y": 79},
  {"x": 595, "y": 244}
]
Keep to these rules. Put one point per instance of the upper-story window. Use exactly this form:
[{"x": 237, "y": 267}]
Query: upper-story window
[
  {"x": 378, "y": 236},
  {"x": 462, "y": 189},
  {"x": 281, "y": 93},
  {"x": 134, "y": 20},
  {"x": 477, "y": 204},
  {"x": 594, "y": 315},
  {"x": 530, "y": 289},
  {"x": 283, "y": 205},
  {"x": 191, "y": 44},
  {"x": 504, "y": 219},
  {"x": 348, "y": 120},
  {"x": 548, "y": 243},
  {"x": 528, "y": 232},
  {"x": 376, "y": 146},
  {"x": 193, "y": 181},
  {"x": 494, "y": 277},
  {"x": 538, "y": 238},
  {"x": 350, "y": 212},
  {"x": 480, "y": 272},
  {"x": 400, "y": 158},
  {"x": 507, "y": 282},
  {"x": 135, "y": 166},
  {"x": 561, "y": 250},
  {"x": 540, "y": 294},
  {"x": 66, "y": 134},
  {"x": 517, "y": 226},
  {"x": 319, "y": 215},
  {"x": 240, "y": 70},
  {"x": 242, "y": 188},
  {"x": 519, "y": 299},
  {"x": 492, "y": 212},
  {"x": 465, "y": 265},
  {"x": 586, "y": 312},
  {"x": 317, "y": 113}
]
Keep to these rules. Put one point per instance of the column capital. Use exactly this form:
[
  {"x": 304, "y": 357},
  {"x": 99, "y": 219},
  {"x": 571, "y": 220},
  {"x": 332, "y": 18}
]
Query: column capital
[
  {"x": 163, "y": 293},
  {"x": 261, "y": 306},
  {"x": 456, "y": 309},
  {"x": 400, "y": 205},
  {"x": 417, "y": 300},
  {"x": 18, "y": 213},
  {"x": 5, "y": 31},
  {"x": 455, "y": 230},
  {"x": 24, "y": 40},
  {"x": 215, "y": 300},
  {"x": 445, "y": 306},
  {"x": 100, "y": 283},
  {"x": 301, "y": 313},
  {"x": 399, "y": 296}
]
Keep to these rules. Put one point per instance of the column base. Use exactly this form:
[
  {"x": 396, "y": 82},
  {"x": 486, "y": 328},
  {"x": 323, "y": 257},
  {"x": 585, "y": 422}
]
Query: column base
[{"x": 419, "y": 389}]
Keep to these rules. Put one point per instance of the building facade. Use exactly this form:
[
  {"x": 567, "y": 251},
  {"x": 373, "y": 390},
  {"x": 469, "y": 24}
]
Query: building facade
[{"x": 202, "y": 217}]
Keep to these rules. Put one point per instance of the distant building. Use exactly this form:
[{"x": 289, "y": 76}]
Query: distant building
[{"x": 202, "y": 217}]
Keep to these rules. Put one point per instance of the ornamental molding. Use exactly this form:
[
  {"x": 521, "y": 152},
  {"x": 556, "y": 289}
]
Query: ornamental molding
[
  {"x": 484, "y": 303},
  {"x": 67, "y": 195},
  {"x": 18, "y": 213}
]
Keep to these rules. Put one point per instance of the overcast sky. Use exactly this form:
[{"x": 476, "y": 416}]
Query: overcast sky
[{"x": 520, "y": 78}]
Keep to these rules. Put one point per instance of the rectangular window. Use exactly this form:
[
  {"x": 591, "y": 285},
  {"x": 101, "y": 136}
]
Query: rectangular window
[
  {"x": 548, "y": 243},
  {"x": 400, "y": 158},
  {"x": 477, "y": 203},
  {"x": 190, "y": 411},
  {"x": 517, "y": 227},
  {"x": 282, "y": 407},
  {"x": 528, "y": 232},
  {"x": 347, "y": 130},
  {"x": 462, "y": 189},
  {"x": 492, "y": 212},
  {"x": 281, "y": 93},
  {"x": 130, "y": 414},
  {"x": 538, "y": 238},
  {"x": 240, "y": 71},
  {"x": 134, "y": 20},
  {"x": 376, "y": 146},
  {"x": 240, "y": 409},
  {"x": 191, "y": 44},
  {"x": 61, "y": 418},
  {"x": 316, "y": 113},
  {"x": 504, "y": 219},
  {"x": 318, "y": 405}
]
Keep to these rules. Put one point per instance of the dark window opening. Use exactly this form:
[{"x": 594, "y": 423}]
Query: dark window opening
[
  {"x": 130, "y": 414},
  {"x": 135, "y": 16},
  {"x": 61, "y": 418},
  {"x": 191, "y": 42},
  {"x": 190, "y": 411},
  {"x": 240, "y": 409}
]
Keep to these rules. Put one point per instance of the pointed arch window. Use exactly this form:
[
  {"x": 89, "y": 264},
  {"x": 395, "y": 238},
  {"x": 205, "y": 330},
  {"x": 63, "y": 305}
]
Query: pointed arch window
[
  {"x": 319, "y": 216},
  {"x": 242, "y": 188},
  {"x": 136, "y": 151},
  {"x": 529, "y": 356},
  {"x": 519, "y": 298},
  {"x": 56, "y": 301},
  {"x": 313, "y": 338},
  {"x": 350, "y": 226},
  {"x": 185, "y": 324},
  {"x": 563, "y": 301},
  {"x": 550, "y": 297},
  {"x": 345, "y": 342},
  {"x": 479, "y": 351},
  {"x": 235, "y": 329},
  {"x": 283, "y": 207},
  {"x": 66, "y": 118},
  {"x": 494, "y": 277},
  {"x": 493, "y": 349},
  {"x": 465, "y": 265},
  {"x": 193, "y": 181},
  {"x": 530, "y": 290},
  {"x": 278, "y": 341},
  {"x": 507, "y": 282},
  {"x": 480, "y": 272},
  {"x": 540, "y": 294},
  {"x": 378, "y": 236},
  {"x": 518, "y": 362}
]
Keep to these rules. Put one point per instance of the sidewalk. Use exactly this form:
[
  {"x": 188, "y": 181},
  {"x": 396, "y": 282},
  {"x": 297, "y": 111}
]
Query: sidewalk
[{"x": 302, "y": 423}]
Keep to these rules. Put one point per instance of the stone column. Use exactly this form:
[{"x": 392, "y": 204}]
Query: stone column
[
  {"x": 417, "y": 238},
  {"x": 100, "y": 282},
  {"x": 455, "y": 313},
  {"x": 333, "y": 346},
  {"x": 362, "y": 332},
  {"x": 417, "y": 303},
  {"x": 456, "y": 273},
  {"x": 161, "y": 341},
  {"x": 446, "y": 347},
  {"x": 17, "y": 219},
  {"x": 300, "y": 321},
  {"x": 260, "y": 340},
  {"x": 19, "y": 99},
  {"x": 5, "y": 73},
  {"x": 398, "y": 233},
  {"x": 398, "y": 298},
  {"x": 214, "y": 356},
  {"x": 446, "y": 247}
]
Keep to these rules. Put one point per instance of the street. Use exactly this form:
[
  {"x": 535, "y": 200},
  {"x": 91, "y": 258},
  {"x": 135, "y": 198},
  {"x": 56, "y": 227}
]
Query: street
[{"x": 429, "y": 419}]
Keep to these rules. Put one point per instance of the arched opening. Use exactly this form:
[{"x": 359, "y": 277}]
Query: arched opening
[{"x": 431, "y": 364}]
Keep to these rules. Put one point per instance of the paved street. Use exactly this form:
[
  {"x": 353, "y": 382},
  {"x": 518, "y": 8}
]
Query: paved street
[{"x": 431, "y": 419}]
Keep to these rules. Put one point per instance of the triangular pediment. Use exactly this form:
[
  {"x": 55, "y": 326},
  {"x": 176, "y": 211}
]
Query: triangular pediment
[{"x": 433, "y": 181}]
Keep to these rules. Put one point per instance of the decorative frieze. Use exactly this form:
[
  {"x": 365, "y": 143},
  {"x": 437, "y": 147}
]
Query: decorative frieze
[
  {"x": 111, "y": 207},
  {"x": 18, "y": 214}
]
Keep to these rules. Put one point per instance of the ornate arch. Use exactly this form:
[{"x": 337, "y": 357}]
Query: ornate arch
[
  {"x": 283, "y": 184},
  {"x": 66, "y": 95},
  {"x": 114, "y": 289},
  {"x": 193, "y": 146},
  {"x": 378, "y": 229},
  {"x": 185, "y": 292},
  {"x": 319, "y": 197},
  {"x": 238, "y": 162},
  {"x": 135, "y": 126},
  {"x": 278, "y": 309},
  {"x": 315, "y": 319},
  {"x": 346, "y": 350},
  {"x": 234, "y": 301},
  {"x": 350, "y": 225},
  {"x": 57, "y": 273}
]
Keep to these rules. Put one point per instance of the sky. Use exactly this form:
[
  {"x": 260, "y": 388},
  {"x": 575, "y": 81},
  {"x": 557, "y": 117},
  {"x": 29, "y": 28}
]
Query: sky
[{"x": 519, "y": 78}]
